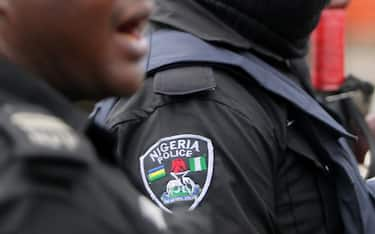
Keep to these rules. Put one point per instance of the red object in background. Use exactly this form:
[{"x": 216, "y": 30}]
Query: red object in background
[{"x": 328, "y": 43}]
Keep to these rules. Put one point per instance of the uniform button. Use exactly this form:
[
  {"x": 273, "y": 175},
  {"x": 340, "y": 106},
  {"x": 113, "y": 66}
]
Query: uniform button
[
  {"x": 326, "y": 168},
  {"x": 288, "y": 63}
]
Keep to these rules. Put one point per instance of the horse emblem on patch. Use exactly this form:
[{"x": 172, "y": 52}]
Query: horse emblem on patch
[{"x": 177, "y": 171}]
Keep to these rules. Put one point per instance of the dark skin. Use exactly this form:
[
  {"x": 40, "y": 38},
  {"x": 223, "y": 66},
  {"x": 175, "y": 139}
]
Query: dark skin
[
  {"x": 84, "y": 48},
  {"x": 339, "y": 3}
]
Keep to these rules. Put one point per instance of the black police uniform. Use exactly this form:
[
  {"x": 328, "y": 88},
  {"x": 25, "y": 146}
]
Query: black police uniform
[
  {"x": 209, "y": 138},
  {"x": 52, "y": 178}
]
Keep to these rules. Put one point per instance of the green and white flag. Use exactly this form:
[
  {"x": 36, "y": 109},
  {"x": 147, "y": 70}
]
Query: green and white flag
[{"x": 198, "y": 164}]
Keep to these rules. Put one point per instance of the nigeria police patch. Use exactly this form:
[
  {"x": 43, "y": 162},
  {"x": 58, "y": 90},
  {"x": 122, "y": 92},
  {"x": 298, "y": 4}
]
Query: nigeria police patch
[{"x": 177, "y": 171}]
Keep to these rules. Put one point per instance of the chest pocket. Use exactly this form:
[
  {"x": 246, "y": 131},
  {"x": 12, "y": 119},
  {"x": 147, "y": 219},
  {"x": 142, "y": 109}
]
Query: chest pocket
[
  {"x": 184, "y": 81},
  {"x": 297, "y": 143}
]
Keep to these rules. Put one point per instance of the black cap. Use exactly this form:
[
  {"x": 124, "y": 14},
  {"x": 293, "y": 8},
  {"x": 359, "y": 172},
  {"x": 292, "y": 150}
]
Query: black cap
[{"x": 283, "y": 26}]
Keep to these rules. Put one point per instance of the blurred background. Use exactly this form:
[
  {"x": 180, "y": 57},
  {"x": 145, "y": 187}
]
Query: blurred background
[{"x": 360, "y": 49}]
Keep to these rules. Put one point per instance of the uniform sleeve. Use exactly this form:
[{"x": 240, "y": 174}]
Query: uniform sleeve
[
  {"x": 210, "y": 157},
  {"x": 52, "y": 192},
  {"x": 47, "y": 196}
]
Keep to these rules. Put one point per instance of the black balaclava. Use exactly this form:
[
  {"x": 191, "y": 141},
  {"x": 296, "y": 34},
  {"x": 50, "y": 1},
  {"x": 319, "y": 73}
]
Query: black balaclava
[{"x": 283, "y": 26}]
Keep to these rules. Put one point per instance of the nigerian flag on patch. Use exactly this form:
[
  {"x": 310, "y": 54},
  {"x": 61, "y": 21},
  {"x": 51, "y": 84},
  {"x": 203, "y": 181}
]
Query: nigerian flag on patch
[
  {"x": 198, "y": 164},
  {"x": 156, "y": 173}
]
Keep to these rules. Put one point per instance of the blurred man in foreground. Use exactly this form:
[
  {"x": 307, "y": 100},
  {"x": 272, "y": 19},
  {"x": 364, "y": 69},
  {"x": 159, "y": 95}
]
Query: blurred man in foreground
[{"x": 57, "y": 171}]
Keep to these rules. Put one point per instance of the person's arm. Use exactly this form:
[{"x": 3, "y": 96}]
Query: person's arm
[
  {"x": 53, "y": 192},
  {"x": 169, "y": 149}
]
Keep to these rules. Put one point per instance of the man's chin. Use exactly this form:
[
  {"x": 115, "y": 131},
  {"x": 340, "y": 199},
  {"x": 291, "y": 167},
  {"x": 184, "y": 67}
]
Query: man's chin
[
  {"x": 127, "y": 82},
  {"x": 124, "y": 88},
  {"x": 116, "y": 82}
]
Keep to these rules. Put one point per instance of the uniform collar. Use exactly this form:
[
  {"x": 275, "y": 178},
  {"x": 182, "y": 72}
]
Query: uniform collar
[
  {"x": 196, "y": 50},
  {"x": 198, "y": 21},
  {"x": 27, "y": 88}
]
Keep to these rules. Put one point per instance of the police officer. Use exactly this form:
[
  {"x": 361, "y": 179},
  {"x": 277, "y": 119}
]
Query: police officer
[
  {"x": 57, "y": 171},
  {"x": 225, "y": 122}
]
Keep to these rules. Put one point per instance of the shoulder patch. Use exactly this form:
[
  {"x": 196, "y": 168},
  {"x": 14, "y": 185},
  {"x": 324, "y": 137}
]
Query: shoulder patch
[
  {"x": 177, "y": 171},
  {"x": 45, "y": 130},
  {"x": 184, "y": 80}
]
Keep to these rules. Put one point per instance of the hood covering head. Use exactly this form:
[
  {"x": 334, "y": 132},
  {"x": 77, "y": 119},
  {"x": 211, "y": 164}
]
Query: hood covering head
[{"x": 283, "y": 26}]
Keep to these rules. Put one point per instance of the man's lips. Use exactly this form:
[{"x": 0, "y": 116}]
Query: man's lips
[
  {"x": 134, "y": 48},
  {"x": 133, "y": 26},
  {"x": 339, "y": 3},
  {"x": 129, "y": 32}
]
